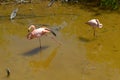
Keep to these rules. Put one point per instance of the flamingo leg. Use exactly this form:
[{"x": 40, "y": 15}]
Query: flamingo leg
[
  {"x": 52, "y": 37},
  {"x": 94, "y": 33},
  {"x": 40, "y": 42}
]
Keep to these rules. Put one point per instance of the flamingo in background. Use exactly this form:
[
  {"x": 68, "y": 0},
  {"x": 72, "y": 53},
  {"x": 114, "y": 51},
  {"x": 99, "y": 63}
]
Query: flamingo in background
[
  {"x": 37, "y": 33},
  {"x": 95, "y": 23}
]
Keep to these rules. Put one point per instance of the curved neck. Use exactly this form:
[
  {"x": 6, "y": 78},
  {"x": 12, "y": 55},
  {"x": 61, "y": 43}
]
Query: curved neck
[
  {"x": 98, "y": 22},
  {"x": 31, "y": 28}
]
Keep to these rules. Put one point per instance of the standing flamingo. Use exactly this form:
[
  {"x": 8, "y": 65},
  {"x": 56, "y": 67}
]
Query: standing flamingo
[
  {"x": 95, "y": 23},
  {"x": 37, "y": 33}
]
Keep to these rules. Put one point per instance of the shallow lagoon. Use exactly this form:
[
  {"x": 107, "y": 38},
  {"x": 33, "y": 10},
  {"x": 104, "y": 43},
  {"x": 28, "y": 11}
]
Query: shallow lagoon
[{"x": 81, "y": 55}]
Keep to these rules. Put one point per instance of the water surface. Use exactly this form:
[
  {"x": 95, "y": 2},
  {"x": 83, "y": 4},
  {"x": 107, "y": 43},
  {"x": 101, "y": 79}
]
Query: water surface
[{"x": 81, "y": 55}]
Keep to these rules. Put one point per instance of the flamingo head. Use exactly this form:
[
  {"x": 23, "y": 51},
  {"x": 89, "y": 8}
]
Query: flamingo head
[
  {"x": 31, "y": 28},
  {"x": 100, "y": 25},
  {"x": 29, "y": 36}
]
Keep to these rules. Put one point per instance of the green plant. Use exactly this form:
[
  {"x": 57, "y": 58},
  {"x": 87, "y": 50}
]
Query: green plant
[{"x": 109, "y": 4}]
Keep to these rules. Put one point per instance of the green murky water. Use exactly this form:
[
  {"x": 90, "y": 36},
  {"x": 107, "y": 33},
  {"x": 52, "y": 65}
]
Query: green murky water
[{"x": 80, "y": 57}]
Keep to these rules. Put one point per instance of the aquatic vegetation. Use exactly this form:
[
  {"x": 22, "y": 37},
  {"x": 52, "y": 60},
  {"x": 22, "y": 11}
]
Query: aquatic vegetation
[
  {"x": 103, "y": 4},
  {"x": 109, "y": 4}
]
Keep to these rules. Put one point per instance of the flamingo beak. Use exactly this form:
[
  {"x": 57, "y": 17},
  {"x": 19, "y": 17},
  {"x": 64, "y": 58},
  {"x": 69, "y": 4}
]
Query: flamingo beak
[
  {"x": 100, "y": 26},
  {"x": 86, "y": 22},
  {"x": 28, "y": 30}
]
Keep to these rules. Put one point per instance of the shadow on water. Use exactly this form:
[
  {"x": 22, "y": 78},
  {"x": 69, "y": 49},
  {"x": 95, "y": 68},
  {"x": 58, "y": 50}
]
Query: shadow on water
[
  {"x": 45, "y": 63},
  {"x": 35, "y": 51},
  {"x": 83, "y": 39}
]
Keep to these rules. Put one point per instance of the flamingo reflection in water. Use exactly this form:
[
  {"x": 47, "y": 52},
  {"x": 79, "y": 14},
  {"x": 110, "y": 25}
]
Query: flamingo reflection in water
[
  {"x": 95, "y": 23},
  {"x": 39, "y": 32}
]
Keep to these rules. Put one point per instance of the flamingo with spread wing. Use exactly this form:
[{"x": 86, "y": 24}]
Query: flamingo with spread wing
[{"x": 39, "y": 32}]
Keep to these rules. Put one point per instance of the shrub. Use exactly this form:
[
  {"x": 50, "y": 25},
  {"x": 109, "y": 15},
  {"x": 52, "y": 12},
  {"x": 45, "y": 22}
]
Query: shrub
[{"x": 109, "y": 4}]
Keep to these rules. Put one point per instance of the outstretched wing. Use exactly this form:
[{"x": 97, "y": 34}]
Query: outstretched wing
[{"x": 51, "y": 31}]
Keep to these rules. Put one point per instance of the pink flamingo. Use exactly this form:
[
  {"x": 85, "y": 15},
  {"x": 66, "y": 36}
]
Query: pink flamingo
[
  {"x": 37, "y": 33},
  {"x": 95, "y": 23}
]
